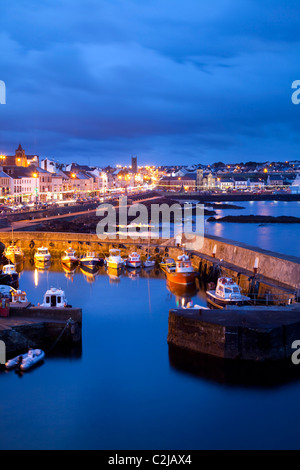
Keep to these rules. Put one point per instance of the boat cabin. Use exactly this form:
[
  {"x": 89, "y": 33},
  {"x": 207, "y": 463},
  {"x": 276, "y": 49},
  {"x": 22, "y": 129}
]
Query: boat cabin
[
  {"x": 9, "y": 269},
  {"x": 54, "y": 298},
  {"x": 18, "y": 296},
  {"x": 228, "y": 289}
]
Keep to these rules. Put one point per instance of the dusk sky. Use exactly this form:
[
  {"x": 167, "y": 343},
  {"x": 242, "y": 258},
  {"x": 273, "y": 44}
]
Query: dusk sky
[{"x": 170, "y": 81}]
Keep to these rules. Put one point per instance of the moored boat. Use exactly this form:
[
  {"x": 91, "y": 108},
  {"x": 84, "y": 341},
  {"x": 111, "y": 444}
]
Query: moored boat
[
  {"x": 149, "y": 263},
  {"x": 133, "y": 260},
  {"x": 42, "y": 256},
  {"x": 18, "y": 297},
  {"x": 10, "y": 270},
  {"x": 69, "y": 257},
  {"x": 14, "y": 254},
  {"x": 114, "y": 260},
  {"x": 54, "y": 298},
  {"x": 182, "y": 273},
  {"x": 227, "y": 292},
  {"x": 26, "y": 361},
  {"x": 90, "y": 260}
]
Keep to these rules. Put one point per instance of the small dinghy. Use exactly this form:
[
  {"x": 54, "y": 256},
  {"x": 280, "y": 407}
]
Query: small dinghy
[{"x": 26, "y": 361}]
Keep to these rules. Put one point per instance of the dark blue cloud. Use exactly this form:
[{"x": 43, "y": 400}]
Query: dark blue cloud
[{"x": 169, "y": 81}]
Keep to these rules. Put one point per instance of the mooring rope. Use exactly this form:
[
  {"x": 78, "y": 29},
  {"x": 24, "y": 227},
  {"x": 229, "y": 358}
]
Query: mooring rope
[{"x": 60, "y": 335}]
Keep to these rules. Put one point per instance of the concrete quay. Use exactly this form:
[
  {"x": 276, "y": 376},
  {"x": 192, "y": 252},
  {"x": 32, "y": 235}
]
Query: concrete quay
[
  {"x": 39, "y": 327},
  {"x": 257, "y": 335}
]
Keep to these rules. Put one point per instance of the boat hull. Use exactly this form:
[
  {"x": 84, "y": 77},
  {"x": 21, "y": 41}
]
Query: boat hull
[
  {"x": 222, "y": 303},
  {"x": 69, "y": 261},
  {"x": 89, "y": 263},
  {"x": 133, "y": 264},
  {"x": 181, "y": 278}
]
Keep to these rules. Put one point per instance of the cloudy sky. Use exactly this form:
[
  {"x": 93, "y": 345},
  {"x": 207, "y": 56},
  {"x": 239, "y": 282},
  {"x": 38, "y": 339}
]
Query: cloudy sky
[{"x": 171, "y": 81}]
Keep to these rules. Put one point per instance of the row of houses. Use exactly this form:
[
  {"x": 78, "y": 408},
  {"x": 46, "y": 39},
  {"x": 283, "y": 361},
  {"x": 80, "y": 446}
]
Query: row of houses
[
  {"x": 25, "y": 184},
  {"x": 203, "y": 181}
]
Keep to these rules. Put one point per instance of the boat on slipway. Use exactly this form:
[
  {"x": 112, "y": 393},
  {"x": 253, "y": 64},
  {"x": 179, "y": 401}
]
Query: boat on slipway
[{"x": 227, "y": 292}]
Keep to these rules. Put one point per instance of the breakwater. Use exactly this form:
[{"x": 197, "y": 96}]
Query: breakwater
[
  {"x": 37, "y": 327},
  {"x": 250, "y": 335}
]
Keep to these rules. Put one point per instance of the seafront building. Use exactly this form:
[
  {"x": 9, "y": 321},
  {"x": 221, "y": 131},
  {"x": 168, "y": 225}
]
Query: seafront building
[{"x": 28, "y": 179}]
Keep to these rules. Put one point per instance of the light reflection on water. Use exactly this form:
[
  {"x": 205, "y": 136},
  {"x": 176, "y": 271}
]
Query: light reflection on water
[{"x": 281, "y": 238}]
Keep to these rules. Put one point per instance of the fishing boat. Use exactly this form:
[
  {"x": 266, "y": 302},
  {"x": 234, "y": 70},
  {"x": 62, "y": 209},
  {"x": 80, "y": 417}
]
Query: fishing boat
[
  {"x": 42, "y": 256},
  {"x": 183, "y": 272},
  {"x": 90, "y": 260},
  {"x": 10, "y": 270},
  {"x": 167, "y": 263},
  {"x": 133, "y": 260},
  {"x": 14, "y": 254},
  {"x": 6, "y": 292},
  {"x": 114, "y": 260},
  {"x": 18, "y": 297},
  {"x": 227, "y": 292},
  {"x": 54, "y": 298},
  {"x": 69, "y": 257},
  {"x": 149, "y": 263},
  {"x": 26, "y": 361}
]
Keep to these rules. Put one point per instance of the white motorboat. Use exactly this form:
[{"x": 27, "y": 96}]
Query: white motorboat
[
  {"x": 149, "y": 263},
  {"x": 42, "y": 255},
  {"x": 26, "y": 361},
  {"x": 18, "y": 297},
  {"x": 227, "y": 292},
  {"x": 10, "y": 269},
  {"x": 54, "y": 298},
  {"x": 133, "y": 260},
  {"x": 114, "y": 260},
  {"x": 69, "y": 257}
]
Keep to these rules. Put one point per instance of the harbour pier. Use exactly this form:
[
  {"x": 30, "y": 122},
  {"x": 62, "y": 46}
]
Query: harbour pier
[{"x": 31, "y": 326}]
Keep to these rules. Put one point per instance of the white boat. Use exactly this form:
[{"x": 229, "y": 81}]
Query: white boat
[
  {"x": 18, "y": 297},
  {"x": 6, "y": 292},
  {"x": 10, "y": 269},
  {"x": 69, "y": 257},
  {"x": 149, "y": 263},
  {"x": 26, "y": 361},
  {"x": 90, "y": 260},
  {"x": 133, "y": 260},
  {"x": 42, "y": 255},
  {"x": 14, "y": 254},
  {"x": 114, "y": 260},
  {"x": 227, "y": 292},
  {"x": 54, "y": 298}
]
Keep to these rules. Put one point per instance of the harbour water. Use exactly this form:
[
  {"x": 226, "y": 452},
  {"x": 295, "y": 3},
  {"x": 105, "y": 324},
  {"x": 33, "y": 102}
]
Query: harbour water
[
  {"x": 126, "y": 389},
  {"x": 281, "y": 238}
]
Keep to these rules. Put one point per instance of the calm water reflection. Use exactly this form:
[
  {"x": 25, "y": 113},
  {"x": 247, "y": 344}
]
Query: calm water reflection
[
  {"x": 283, "y": 238},
  {"x": 126, "y": 390}
]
